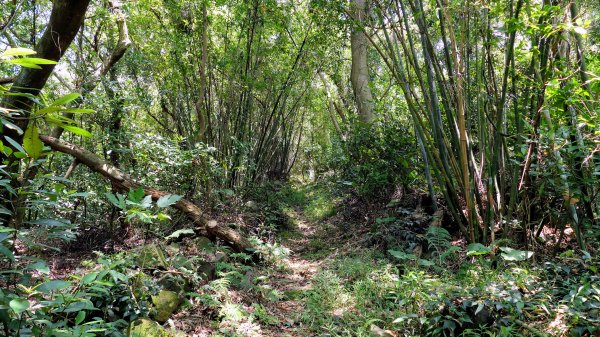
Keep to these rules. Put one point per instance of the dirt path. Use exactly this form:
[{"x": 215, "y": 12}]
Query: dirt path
[{"x": 294, "y": 280}]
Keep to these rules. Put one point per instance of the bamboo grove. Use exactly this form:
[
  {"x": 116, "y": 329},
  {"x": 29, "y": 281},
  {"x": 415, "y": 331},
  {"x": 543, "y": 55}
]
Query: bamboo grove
[{"x": 500, "y": 96}]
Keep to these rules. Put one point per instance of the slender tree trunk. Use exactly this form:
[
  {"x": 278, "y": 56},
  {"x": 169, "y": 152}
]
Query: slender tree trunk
[
  {"x": 117, "y": 102},
  {"x": 360, "y": 67}
]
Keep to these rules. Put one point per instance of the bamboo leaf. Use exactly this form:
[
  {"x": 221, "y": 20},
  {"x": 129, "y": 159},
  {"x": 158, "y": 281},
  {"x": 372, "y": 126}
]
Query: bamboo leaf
[
  {"x": 24, "y": 63},
  {"x": 80, "y": 111},
  {"x": 10, "y": 125},
  {"x": 7, "y": 252},
  {"x": 75, "y": 130},
  {"x": 11, "y": 52},
  {"x": 36, "y": 60},
  {"x": 66, "y": 99},
  {"x": 16, "y": 145}
]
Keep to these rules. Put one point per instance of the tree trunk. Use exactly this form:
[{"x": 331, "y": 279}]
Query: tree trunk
[
  {"x": 360, "y": 67},
  {"x": 65, "y": 20},
  {"x": 124, "y": 182}
]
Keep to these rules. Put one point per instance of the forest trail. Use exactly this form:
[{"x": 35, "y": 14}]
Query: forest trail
[{"x": 294, "y": 278}]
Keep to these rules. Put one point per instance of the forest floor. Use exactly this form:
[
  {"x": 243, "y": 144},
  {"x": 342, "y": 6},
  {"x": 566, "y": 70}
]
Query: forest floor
[
  {"x": 384, "y": 268},
  {"x": 337, "y": 264},
  {"x": 326, "y": 253},
  {"x": 302, "y": 291}
]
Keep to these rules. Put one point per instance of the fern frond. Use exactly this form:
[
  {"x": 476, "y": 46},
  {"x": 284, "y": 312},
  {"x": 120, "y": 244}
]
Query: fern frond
[{"x": 438, "y": 239}]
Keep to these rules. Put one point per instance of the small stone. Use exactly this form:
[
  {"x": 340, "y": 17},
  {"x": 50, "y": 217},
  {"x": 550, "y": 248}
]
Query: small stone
[
  {"x": 207, "y": 271},
  {"x": 252, "y": 205},
  {"x": 174, "y": 283},
  {"x": 173, "y": 249},
  {"x": 379, "y": 332}
]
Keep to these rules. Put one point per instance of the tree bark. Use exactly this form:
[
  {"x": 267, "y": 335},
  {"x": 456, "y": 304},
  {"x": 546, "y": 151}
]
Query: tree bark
[
  {"x": 124, "y": 182},
  {"x": 360, "y": 67}
]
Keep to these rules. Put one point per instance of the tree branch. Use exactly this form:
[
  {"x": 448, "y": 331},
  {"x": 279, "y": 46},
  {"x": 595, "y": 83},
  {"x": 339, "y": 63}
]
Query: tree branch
[{"x": 124, "y": 182}]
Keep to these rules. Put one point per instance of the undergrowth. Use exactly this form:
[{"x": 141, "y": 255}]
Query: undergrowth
[{"x": 354, "y": 293}]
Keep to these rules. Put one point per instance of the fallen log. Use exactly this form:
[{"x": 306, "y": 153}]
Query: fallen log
[{"x": 123, "y": 182}]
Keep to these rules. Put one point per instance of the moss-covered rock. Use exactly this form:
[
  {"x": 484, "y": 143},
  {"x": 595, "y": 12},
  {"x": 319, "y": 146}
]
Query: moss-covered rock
[
  {"x": 165, "y": 303},
  {"x": 144, "y": 327},
  {"x": 176, "y": 283},
  {"x": 150, "y": 257},
  {"x": 203, "y": 243},
  {"x": 207, "y": 271}
]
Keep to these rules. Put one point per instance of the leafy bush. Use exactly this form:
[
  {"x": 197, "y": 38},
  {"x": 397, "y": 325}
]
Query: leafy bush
[{"x": 379, "y": 158}]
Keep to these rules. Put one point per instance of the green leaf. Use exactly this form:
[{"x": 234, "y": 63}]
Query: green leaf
[
  {"x": 510, "y": 254},
  {"x": 402, "y": 255},
  {"x": 179, "y": 232},
  {"x": 40, "y": 266},
  {"x": 16, "y": 145},
  {"x": 58, "y": 120},
  {"x": 80, "y": 111},
  {"x": 80, "y": 317},
  {"x": 4, "y": 210},
  {"x": 49, "y": 222},
  {"x": 168, "y": 200},
  {"x": 32, "y": 143},
  {"x": 7, "y": 252},
  {"x": 476, "y": 249},
  {"x": 79, "y": 195},
  {"x": 75, "y": 130},
  {"x": 37, "y": 60},
  {"x": 31, "y": 62},
  {"x": 11, "y": 52},
  {"x": 24, "y": 63},
  {"x": 53, "y": 285},
  {"x": 89, "y": 278},
  {"x": 380, "y": 221},
  {"x": 426, "y": 263},
  {"x": 19, "y": 305},
  {"x": 79, "y": 306},
  {"x": 136, "y": 195},
  {"x": 118, "y": 200},
  {"x": 47, "y": 110},
  {"x": 66, "y": 99},
  {"x": 146, "y": 202},
  {"x": 12, "y": 126}
]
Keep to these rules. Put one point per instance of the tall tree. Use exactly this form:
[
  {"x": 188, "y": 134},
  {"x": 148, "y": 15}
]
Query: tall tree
[{"x": 360, "y": 67}]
